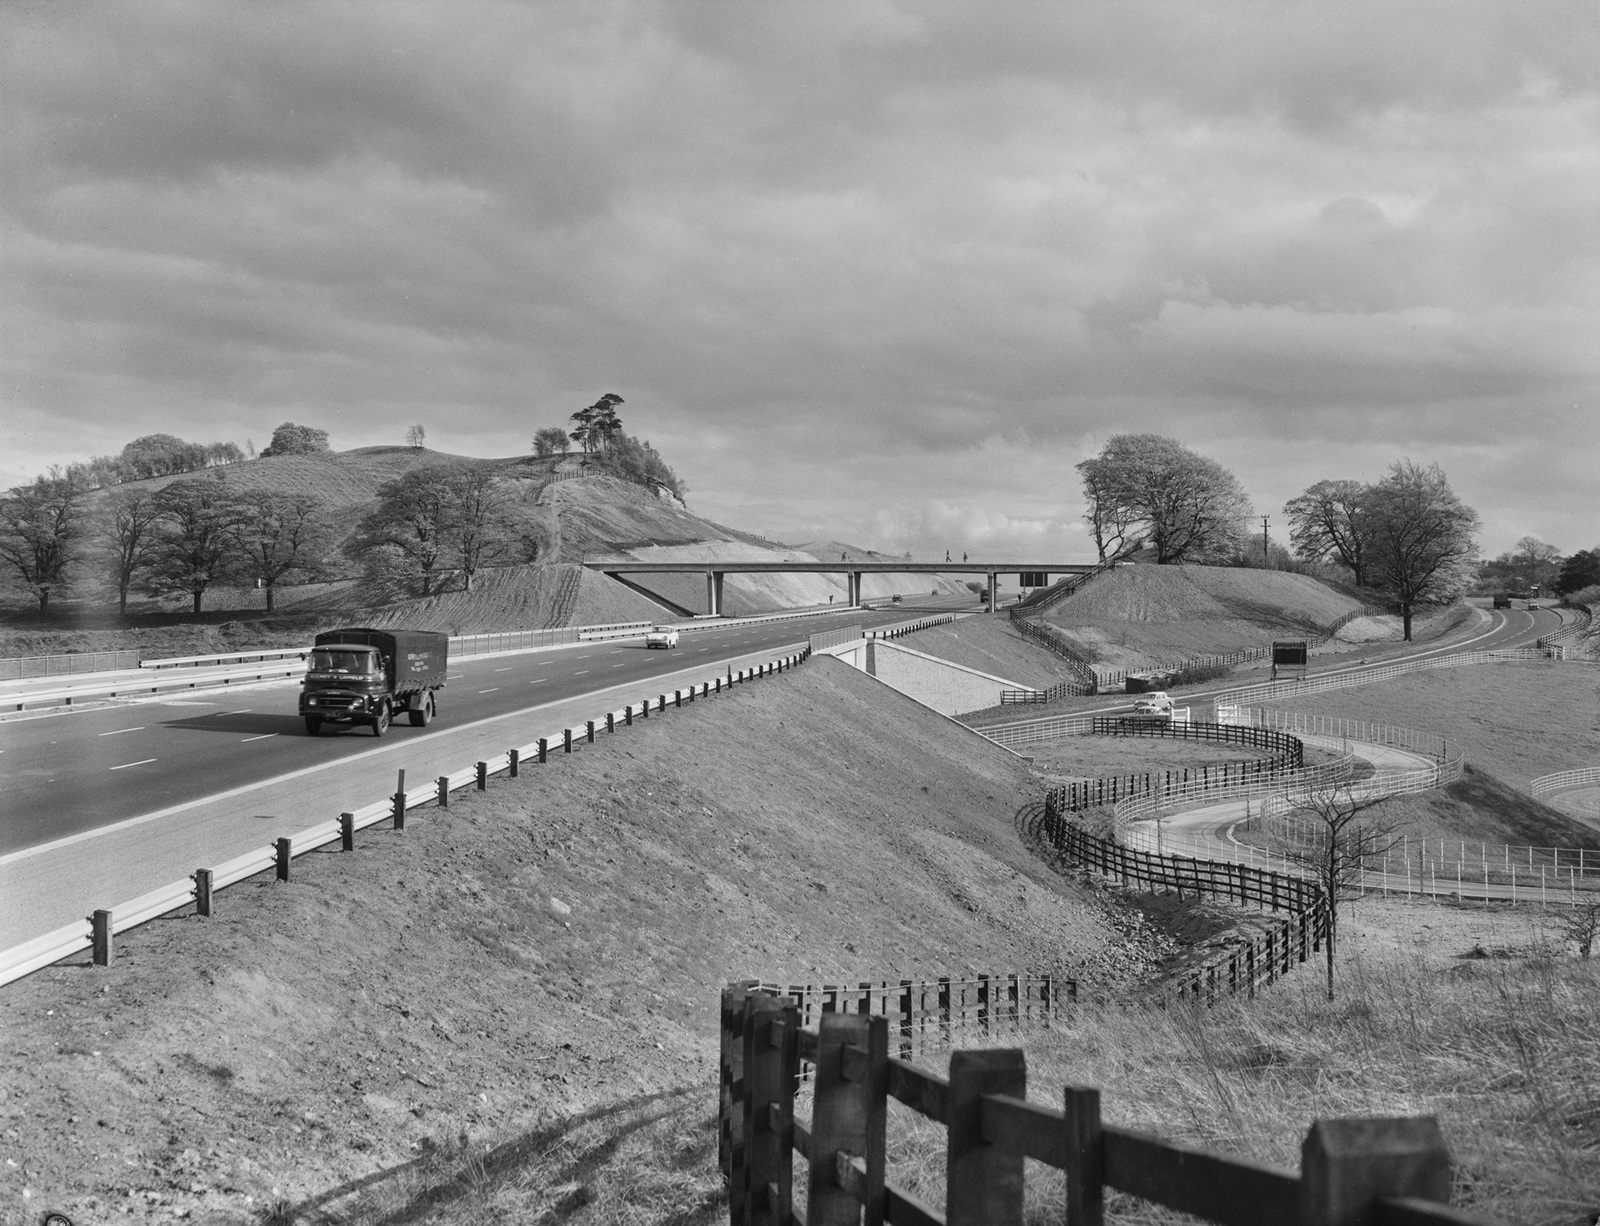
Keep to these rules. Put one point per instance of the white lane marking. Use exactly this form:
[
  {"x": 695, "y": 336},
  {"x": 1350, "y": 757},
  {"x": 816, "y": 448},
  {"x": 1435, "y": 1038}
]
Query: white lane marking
[
  {"x": 506, "y": 669},
  {"x": 262, "y": 737},
  {"x": 538, "y": 680},
  {"x": 624, "y": 664},
  {"x": 583, "y": 657},
  {"x": 120, "y": 731},
  {"x": 394, "y": 745},
  {"x": 580, "y": 672},
  {"x": 490, "y": 690},
  {"x": 240, "y": 711},
  {"x": 126, "y": 765}
]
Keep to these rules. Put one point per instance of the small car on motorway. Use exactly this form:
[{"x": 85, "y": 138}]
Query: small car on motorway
[
  {"x": 661, "y": 636},
  {"x": 1157, "y": 702}
]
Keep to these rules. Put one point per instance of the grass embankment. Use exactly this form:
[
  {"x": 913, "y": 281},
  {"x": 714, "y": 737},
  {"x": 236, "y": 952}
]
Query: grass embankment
[
  {"x": 549, "y": 948},
  {"x": 1512, "y": 721},
  {"x": 1503, "y": 1048}
]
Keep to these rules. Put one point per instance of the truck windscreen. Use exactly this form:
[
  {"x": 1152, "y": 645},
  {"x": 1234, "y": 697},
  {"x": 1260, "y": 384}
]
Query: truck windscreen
[{"x": 336, "y": 661}]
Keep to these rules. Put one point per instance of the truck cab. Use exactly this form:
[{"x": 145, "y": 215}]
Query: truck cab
[{"x": 364, "y": 676}]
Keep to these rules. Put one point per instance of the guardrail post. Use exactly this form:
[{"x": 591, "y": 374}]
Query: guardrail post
[
  {"x": 443, "y": 786},
  {"x": 627, "y": 715},
  {"x": 611, "y": 721},
  {"x": 566, "y": 740},
  {"x": 589, "y": 724},
  {"x": 347, "y": 832},
  {"x": 677, "y": 698},
  {"x": 483, "y": 776},
  {"x": 983, "y": 1182},
  {"x": 400, "y": 802},
  {"x": 282, "y": 847},
  {"x": 1085, "y": 1169},
  {"x": 1347, "y": 1164},
  {"x": 513, "y": 761},
  {"x": 542, "y": 748},
  {"x": 103, "y": 952},
  {"x": 202, "y": 891}
]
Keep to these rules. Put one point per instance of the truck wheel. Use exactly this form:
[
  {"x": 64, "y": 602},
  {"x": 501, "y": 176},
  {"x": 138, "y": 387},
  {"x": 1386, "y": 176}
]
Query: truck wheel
[
  {"x": 313, "y": 725},
  {"x": 380, "y": 721},
  {"x": 422, "y": 714}
]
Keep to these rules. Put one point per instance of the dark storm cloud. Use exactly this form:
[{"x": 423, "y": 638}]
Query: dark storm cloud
[{"x": 931, "y": 254}]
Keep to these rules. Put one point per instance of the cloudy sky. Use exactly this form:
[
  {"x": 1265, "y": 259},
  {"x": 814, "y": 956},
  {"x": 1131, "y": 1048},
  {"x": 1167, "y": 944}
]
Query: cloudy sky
[{"x": 869, "y": 270}]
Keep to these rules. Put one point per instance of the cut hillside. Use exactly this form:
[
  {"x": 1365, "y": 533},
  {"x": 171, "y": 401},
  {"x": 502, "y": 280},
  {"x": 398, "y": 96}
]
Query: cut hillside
[
  {"x": 550, "y": 947},
  {"x": 1137, "y": 616},
  {"x": 990, "y": 643},
  {"x": 523, "y": 598}
]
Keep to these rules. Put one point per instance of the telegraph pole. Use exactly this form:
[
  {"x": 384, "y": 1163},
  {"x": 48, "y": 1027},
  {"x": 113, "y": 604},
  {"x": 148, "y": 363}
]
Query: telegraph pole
[{"x": 1265, "y": 560}]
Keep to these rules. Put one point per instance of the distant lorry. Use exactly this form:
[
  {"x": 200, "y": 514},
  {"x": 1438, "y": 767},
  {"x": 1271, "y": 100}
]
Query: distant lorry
[
  {"x": 1502, "y": 600},
  {"x": 363, "y": 676}
]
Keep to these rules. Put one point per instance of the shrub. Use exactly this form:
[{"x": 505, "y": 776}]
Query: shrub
[{"x": 1194, "y": 674}]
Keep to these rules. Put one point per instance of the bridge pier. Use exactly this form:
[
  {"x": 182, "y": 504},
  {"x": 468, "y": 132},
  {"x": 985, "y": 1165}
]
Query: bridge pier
[
  {"x": 714, "y": 592},
  {"x": 853, "y": 588},
  {"x": 994, "y": 589}
]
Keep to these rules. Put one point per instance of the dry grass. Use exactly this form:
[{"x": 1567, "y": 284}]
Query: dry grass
[{"x": 1505, "y": 1051}]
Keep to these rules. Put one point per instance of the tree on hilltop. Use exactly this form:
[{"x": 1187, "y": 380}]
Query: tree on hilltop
[
  {"x": 290, "y": 439},
  {"x": 552, "y": 440},
  {"x": 1421, "y": 538},
  {"x": 1187, "y": 507},
  {"x": 598, "y": 424}
]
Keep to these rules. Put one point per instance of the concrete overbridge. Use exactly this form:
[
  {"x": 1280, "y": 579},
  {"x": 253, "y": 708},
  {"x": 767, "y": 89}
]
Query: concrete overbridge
[{"x": 1029, "y": 574}]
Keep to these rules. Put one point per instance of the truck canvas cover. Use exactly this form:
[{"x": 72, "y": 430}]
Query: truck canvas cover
[{"x": 417, "y": 658}]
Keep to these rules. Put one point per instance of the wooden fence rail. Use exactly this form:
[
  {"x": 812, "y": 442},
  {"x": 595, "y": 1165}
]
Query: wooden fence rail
[{"x": 1388, "y": 1172}]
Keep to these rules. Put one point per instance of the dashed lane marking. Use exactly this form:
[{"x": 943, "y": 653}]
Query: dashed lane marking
[
  {"x": 126, "y": 765},
  {"x": 490, "y": 690},
  {"x": 120, "y": 731},
  {"x": 262, "y": 737}
]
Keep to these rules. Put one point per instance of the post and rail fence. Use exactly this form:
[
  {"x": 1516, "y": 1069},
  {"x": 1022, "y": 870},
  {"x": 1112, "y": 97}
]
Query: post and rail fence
[{"x": 1382, "y": 1172}]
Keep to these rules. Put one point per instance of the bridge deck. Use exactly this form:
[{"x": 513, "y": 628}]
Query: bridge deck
[{"x": 630, "y": 566}]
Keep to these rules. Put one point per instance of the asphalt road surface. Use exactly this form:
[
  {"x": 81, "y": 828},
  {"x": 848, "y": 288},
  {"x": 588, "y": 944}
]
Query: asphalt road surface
[{"x": 64, "y": 774}]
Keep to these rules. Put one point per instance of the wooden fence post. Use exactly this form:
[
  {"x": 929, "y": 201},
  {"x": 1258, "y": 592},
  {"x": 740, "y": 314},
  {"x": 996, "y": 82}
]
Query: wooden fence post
[
  {"x": 768, "y": 1108},
  {"x": 347, "y": 832},
  {"x": 1347, "y": 1164},
  {"x": 906, "y": 1051},
  {"x": 101, "y": 925},
  {"x": 202, "y": 891},
  {"x": 849, "y": 1114},
  {"x": 281, "y": 846},
  {"x": 1085, "y": 1167},
  {"x": 983, "y": 1182},
  {"x": 730, "y": 1140}
]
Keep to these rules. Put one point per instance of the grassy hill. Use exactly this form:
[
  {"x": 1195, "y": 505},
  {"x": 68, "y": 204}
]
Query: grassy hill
[{"x": 573, "y": 511}]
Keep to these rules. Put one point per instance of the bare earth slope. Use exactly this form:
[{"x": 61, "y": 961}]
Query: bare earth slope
[{"x": 549, "y": 947}]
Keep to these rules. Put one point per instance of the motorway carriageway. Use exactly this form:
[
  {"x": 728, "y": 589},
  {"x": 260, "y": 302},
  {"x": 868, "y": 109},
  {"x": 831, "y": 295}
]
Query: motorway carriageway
[{"x": 68, "y": 773}]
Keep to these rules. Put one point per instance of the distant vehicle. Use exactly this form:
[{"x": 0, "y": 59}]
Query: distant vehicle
[
  {"x": 1154, "y": 703},
  {"x": 362, "y": 676},
  {"x": 664, "y": 637},
  {"x": 1502, "y": 600},
  {"x": 894, "y": 600}
]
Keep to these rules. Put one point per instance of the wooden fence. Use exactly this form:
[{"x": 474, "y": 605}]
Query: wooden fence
[
  {"x": 1387, "y": 1172},
  {"x": 1185, "y": 782}
]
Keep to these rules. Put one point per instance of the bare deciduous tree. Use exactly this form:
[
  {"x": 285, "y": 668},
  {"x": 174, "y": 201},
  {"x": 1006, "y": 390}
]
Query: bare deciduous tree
[
  {"x": 1421, "y": 544},
  {"x": 1325, "y": 522},
  {"x": 1331, "y": 835}
]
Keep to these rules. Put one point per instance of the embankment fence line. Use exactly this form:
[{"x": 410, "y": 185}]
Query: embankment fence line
[
  {"x": 94, "y": 933},
  {"x": 1392, "y": 1172}
]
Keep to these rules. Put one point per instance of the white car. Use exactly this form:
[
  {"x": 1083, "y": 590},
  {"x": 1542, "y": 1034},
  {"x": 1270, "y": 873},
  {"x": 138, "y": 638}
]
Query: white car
[
  {"x": 661, "y": 636},
  {"x": 1154, "y": 703}
]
